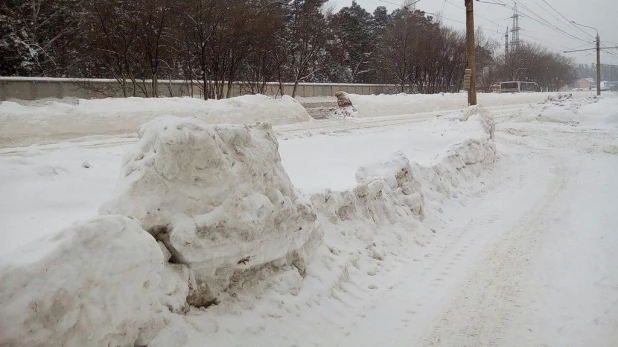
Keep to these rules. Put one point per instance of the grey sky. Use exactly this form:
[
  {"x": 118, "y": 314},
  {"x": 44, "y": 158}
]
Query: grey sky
[{"x": 602, "y": 14}]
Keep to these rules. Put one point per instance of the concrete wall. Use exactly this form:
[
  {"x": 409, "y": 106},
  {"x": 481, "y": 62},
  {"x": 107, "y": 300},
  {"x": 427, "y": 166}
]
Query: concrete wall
[{"x": 40, "y": 88}]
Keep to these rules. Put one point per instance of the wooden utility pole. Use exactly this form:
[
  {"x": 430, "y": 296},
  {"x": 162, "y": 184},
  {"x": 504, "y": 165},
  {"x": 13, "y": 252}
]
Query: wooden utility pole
[
  {"x": 470, "y": 48},
  {"x": 598, "y": 48},
  {"x": 598, "y": 64}
]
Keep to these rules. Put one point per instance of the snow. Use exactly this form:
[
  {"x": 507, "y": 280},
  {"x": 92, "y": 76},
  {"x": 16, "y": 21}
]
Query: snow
[
  {"x": 316, "y": 99},
  {"x": 330, "y": 162},
  {"x": 603, "y": 113},
  {"x": 45, "y": 191},
  {"x": 430, "y": 232},
  {"x": 370, "y": 231},
  {"x": 398, "y": 104},
  {"x": 93, "y": 283},
  {"x": 216, "y": 196},
  {"x": 26, "y": 123},
  {"x": 575, "y": 273}
]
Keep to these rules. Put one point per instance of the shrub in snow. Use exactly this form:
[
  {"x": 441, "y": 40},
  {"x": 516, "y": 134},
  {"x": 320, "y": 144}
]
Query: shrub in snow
[
  {"x": 217, "y": 196},
  {"x": 95, "y": 283}
]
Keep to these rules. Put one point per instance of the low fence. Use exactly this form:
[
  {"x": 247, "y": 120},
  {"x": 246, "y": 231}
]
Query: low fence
[{"x": 34, "y": 88}]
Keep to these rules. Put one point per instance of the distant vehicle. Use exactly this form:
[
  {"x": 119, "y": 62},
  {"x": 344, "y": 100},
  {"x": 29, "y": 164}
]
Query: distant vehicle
[
  {"x": 519, "y": 87},
  {"x": 609, "y": 85}
]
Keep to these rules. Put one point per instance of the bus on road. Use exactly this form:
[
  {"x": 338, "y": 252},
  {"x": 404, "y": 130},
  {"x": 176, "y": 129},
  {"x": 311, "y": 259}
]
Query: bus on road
[{"x": 519, "y": 87}]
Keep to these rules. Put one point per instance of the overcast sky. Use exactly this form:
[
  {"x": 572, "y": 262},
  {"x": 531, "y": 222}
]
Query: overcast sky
[{"x": 602, "y": 14}]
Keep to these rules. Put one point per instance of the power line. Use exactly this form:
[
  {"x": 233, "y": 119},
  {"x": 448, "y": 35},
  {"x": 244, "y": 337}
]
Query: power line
[
  {"x": 589, "y": 49},
  {"x": 476, "y": 14},
  {"x": 565, "y": 18},
  {"x": 539, "y": 19},
  {"x": 543, "y": 42},
  {"x": 545, "y": 23},
  {"x": 529, "y": 13}
]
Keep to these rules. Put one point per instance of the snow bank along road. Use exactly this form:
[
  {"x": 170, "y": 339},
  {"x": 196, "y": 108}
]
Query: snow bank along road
[
  {"x": 442, "y": 244},
  {"x": 112, "y": 121}
]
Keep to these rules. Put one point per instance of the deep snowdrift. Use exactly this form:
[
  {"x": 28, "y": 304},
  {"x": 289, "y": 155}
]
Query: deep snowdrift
[
  {"x": 232, "y": 230},
  {"x": 93, "y": 284},
  {"x": 26, "y": 123},
  {"x": 217, "y": 197},
  {"x": 368, "y": 231},
  {"x": 564, "y": 108}
]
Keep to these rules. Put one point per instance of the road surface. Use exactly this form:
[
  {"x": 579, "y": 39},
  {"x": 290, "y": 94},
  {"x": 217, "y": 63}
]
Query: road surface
[{"x": 533, "y": 261}]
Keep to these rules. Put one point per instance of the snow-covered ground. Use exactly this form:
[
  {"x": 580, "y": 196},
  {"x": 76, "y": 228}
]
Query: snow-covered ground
[
  {"x": 47, "y": 121},
  {"x": 427, "y": 238},
  {"x": 398, "y": 104}
]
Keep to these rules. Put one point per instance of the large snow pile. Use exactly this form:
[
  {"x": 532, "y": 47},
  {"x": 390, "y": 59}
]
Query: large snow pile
[
  {"x": 560, "y": 108},
  {"x": 370, "y": 231},
  {"x": 399, "y": 104},
  {"x": 393, "y": 191},
  {"x": 93, "y": 284},
  {"x": 325, "y": 161},
  {"x": 223, "y": 227},
  {"x": 603, "y": 112},
  {"x": 26, "y": 123},
  {"x": 217, "y": 197}
]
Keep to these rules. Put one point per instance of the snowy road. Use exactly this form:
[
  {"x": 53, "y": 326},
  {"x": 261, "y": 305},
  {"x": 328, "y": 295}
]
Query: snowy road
[
  {"x": 303, "y": 129},
  {"x": 517, "y": 252},
  {"x": 530, "y": 263}
]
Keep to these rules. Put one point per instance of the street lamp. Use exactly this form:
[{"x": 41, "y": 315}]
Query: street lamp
[{"x": 598, "y": 55}]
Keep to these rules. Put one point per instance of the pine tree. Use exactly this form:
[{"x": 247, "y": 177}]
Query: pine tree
[{"x": 353, "y": 31}]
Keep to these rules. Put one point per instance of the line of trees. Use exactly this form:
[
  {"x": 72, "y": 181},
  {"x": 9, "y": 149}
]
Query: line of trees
[
  {"x": 212, "y": 44},
  {"x": 608, "y": 72}
]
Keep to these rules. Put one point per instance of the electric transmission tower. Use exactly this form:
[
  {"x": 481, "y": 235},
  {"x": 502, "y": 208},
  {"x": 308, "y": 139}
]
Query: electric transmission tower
[
  {"x": 515, "y": 31},
  {"x": 409, "y": 5}
]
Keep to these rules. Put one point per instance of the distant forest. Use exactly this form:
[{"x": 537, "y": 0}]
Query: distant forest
[
  {"x": 608, "y": 72},
  {"x": 217, "y": 42}
]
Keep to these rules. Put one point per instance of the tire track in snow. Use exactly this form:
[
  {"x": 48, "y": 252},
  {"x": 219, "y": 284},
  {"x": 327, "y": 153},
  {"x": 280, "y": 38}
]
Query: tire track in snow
[
  {"x": 427, "y": 284},
  {"x": 481, "y": 313},
  {"x": 321, "y": 127}
]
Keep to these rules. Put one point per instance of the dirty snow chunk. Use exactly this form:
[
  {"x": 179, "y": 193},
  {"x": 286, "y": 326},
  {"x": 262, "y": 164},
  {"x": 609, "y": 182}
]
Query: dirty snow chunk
[
  {"x": 343, "y": 99},
  {"x": 392, "y": 170},
  {"x": 217, "y": 196},
  {"x": 174, "y": 283},
  {"x": 92, "y": 284}
]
